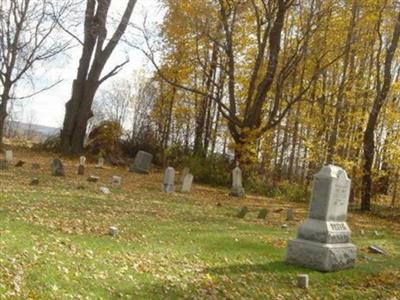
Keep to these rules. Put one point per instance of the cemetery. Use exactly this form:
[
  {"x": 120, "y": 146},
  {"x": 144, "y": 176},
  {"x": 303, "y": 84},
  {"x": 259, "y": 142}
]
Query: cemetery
[
  {"x": 60, "y": 237},
  {"x": 199, "y": 149}
]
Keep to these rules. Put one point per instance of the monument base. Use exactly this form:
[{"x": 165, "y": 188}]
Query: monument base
[
  {"x": 321, "y": 257},
  {"x": 237, "y": 192}
]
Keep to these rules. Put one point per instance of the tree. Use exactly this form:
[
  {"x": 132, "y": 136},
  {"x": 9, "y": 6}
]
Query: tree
[
  {"x": 382, "y": 91},
  {"x": 26, "y": 39},
  {"x": 95, "y": 54}
]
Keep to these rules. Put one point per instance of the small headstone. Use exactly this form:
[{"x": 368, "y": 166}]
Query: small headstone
[
  {"x": 289, "y": 215},
  {"x": 116, "y": 181},
  {"x": 3, "y": 164},
  {"x": 323, "y": 240},
  {"x": 92, "y": 178},
  {"x": 82, "y": 161},
  {"x": 81, "y": 170},
  {"x": 113, "y": 231},
  {"x": 187, "y": 183},
  {"x": 35, "y": 166},
  {"x": 100, "y": 163},
  {"x": 105, "y": 190},
  {"x": 376, "y": 250},
  {"x": 9, "y": 156},
  {"x": 376, "y": 233},
  {"x": 284, "y": 226},
  {"x": 20, "y": 163},
  {"x": 142, "y": 163},
  {"x": 263, "y": 213},
  {"x": 169, "y": 180},
  {"x": 34, "y": 181},
  {"x": 237, "y": 189},
  {"x": 185, "y": 171},
  {"x": 243, "y": 212},
  {"x": 362, "y": 232},
  {"x": 57, "y": 168},
  {"x": 302, "y": 281}
]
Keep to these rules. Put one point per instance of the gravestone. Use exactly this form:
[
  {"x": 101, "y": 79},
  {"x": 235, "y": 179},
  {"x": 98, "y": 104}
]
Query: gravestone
[
  {"x": 9, "y": 155},
  {"x": 237, "y": 185},
  {"x": 169, "y": 180},
  {"x": 113, "y": 231},
  {"x": 93, "y": 178},
  {"x": 35, "y": 166},
  {"x": 116, "y": 181},
  {"x": 34, "y": 181},
  {"x": 302, "y": 281},
  {"x": 187, "y": 183},
  {"x": 100, "y": 163},
  {"x": 289, "y": 214},
  {"x": 142, "y": 163},
  {"x": 82, "y": 161},
  {"x": 57, "y": 168},
  {"x": 3, "y": 164},
  {"x": 81, "y": 170},
  {"x": 104, "y": 190},
  {"x": 185, "y": 171},
  {"x": 243, "y": 212},
  {"x": 323, "y": 240},
  {"x": 263, "y": 213}
]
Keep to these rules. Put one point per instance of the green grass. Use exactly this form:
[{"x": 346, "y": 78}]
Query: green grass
[{"x": 54, "y": 245}]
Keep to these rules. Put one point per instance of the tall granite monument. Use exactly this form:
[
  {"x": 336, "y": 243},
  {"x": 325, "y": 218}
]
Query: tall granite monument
[{"x": 323, "y": 240}]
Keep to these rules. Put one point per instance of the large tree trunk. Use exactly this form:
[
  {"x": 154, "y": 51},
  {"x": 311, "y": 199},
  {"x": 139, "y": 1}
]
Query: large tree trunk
[{"x": 369, "y": 143}]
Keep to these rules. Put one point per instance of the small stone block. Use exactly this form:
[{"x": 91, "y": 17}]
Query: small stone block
[
  {"x": 93, "y": 178},
  {"x": 113, "y": 231},
  {"x": 34, "y": 181},
  {"x": 302, "y": 281},
  {"x": 243, "y": 212},
  {"x": 263, "y": 213}
]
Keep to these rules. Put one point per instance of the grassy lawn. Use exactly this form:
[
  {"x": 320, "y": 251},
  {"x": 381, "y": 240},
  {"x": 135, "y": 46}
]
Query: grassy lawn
[{"x": 54, "y": 242}]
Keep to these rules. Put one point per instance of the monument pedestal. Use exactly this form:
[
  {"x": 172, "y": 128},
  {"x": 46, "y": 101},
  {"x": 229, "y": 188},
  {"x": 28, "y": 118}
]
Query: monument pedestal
[{"x": 321, "y": 257}]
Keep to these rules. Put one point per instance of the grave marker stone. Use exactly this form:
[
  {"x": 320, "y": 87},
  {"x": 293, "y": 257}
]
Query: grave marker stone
[
  {"x": 237, "y": 185},
  {"x": 187, "y": 183},
  {"x": 9, "y": 156},
  {"x": 57, "y": 168},
  {"x": 142, "y": 163},
  {"x": 100, "y": 163},
  {"x": 169, "y": 180},
  {"x": 93, "y": 178},
  {"x": 185, "y": 171},
  {"x": 116, "y": 181},
  {"x": 82, "y": 161},
  {"x": 323, "y": 240}
]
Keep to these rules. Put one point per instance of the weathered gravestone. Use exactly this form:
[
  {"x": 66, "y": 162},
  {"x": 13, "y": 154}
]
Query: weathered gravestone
[
  {"x": 3, "y": 164},
  {"x": 82, "y": 161},
  {"x": 263, "y": 213},
  {"x": 142, "y": 163},
  {"x": 323, "y": 240},
  {"x": 169, "y": 180},
  {"x": 116, "y": 181},
  {"x": 243, "y": 212},
  {"x": 9, "y": 156},
  {"x": 93, "y": 178},
  {"x": 100, "y": 163},
  {"x": 81, "y": 170},
  {"x": 57, "y": 168},
  {"x": 187, "y": 183},
  {"x": 185, "y": 171},
  {"x": 237, "y": 185}
]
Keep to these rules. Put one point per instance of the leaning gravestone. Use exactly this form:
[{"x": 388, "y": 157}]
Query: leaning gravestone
[
  {"x": 169, "y": 180},
  {"x": 237, "y": 185},
  {"x": 3, "y": 164},
  {"x": 187, "y": 183},
  {"x": 9, "y": 156},
  {"x": 142, "y": 163},
  {"x": 323, "y": 240},
  {"x": 57, "y": 168}
]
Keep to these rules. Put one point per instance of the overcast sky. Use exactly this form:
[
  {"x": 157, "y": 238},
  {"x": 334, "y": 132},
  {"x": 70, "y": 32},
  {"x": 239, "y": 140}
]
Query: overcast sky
[{"x": 48, "y": 107}]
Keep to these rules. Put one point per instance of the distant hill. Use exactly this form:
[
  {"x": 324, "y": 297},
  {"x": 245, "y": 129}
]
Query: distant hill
[{"x": 34, "y": 132}]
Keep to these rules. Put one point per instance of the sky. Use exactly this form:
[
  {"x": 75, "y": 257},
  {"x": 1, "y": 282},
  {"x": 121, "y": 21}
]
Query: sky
[{"x": 48, "y": 107}]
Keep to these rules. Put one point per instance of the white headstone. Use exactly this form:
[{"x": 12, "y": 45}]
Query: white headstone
[
  {"x": 187, "y": 183},
  {"x": 116, "y": 181},
  {"x": 104, "y": 190},
  {"x": 237, "y": 184},
  {"x": 9, "y": 156},
  {"x": 100, "y": 163},
  {"x": 169, "y": 180},
  {"x": 82, "y": 160},
  {"x": 323, "y": 240}
]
